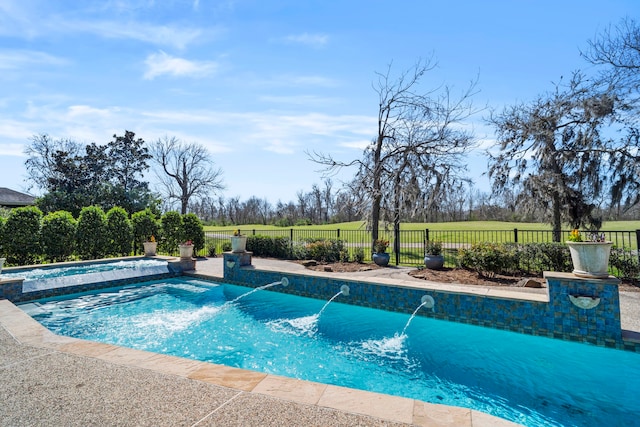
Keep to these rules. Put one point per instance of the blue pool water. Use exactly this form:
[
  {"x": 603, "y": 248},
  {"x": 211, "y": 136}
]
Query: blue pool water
[
  {"x": 44, "y": 278},
  {"x": 80, "y": 269},
  {"x": 530, "y": 380}
]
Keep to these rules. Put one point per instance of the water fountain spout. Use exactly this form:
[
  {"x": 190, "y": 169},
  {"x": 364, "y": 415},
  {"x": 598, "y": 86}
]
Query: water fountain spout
[{"x": 426, "y": 301}]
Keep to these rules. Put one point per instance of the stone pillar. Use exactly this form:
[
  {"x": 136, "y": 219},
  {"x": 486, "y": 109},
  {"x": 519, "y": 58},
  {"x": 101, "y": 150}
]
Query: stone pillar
[
  {"x": 11, "y": 289},
  {"x": 233, "y": 261},
  {"x": 585, "y": 310}
]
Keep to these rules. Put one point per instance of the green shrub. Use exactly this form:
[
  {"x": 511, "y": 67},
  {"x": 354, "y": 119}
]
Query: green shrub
[
  {"x": 144, "y": 226},
  {"x": 91, "y": 235},
  {"x": 358, "y": 255},
  {"x": 193, "y": 230},
  {"x": 21, "y": 239},
  {"x": 119, "y": 232},
  {"x": 299, "y": 251},
  {"x": 486, "y": 259},
  {"x": 58, "y": 236},
  {"x": 539, "y": 257},
  {"x": 325, "y": 250},
  {"x": 267, "y": 246},
  {"x": 211, "y": 250},
  {"x": 626, "y": 266},
  {"x": 344, "y": 255},
  {"x": 171, "y": 232},
  {"x": 226, "y": 247}
]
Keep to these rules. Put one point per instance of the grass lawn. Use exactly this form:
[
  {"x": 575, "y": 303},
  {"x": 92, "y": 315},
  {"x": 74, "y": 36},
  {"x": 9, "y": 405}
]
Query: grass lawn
[{"x": 457, "y": 226}]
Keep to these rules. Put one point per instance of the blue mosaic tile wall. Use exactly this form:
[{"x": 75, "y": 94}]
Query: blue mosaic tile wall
[{"x": 558, "y": 318}]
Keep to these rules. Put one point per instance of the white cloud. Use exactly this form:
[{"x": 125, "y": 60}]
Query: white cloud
[
  {"x": 356, "y": 144},
  {"x": 163, "y": 35},
  {"x": 29, "y": 20},
  {"x": 17, "y": 59},
  {"x": 161, "y": 63},
  {"x": 313, "y": 40}
]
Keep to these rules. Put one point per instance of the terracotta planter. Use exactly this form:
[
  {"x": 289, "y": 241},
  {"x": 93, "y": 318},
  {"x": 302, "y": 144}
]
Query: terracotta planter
[
  {"x": 238, "y": 244},
  {"x": 590, "y": 259},
  {"x": 381, "y": 258},
  {"x": 186, "y": 251},
  {"x": 150, "y": 248}
]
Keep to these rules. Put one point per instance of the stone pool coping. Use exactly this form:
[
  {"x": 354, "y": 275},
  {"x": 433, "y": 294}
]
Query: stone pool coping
[{"x": 328, "y": 403}]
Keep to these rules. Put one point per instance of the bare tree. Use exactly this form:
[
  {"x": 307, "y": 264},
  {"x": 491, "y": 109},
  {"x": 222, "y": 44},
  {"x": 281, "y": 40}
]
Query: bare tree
[
  {"x": 188, "y": 171},
  {"x": 419, "y": 136},
  {"x": 618, "y": 49}
]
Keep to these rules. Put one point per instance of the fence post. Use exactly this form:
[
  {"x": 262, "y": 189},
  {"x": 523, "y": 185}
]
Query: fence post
[
  {"x": 515, "y": 235},
  {"x": 396, "y": 242},
  {"x": 338, "y": 233},
  {"x": 638, "y": 244},
  {"x": 426, "y": 235}
]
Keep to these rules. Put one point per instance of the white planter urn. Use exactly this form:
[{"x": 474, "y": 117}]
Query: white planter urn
[
  {"x": 150, "y": 248},
  {"x": 186, "y": 251},
  {"x": 2, "y": 260},
  {"x": 590, "y": 259},
  {"x": 238, "y": 244}
]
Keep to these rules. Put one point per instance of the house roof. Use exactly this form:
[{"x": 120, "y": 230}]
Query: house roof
[{"x": 10, "y": 197}]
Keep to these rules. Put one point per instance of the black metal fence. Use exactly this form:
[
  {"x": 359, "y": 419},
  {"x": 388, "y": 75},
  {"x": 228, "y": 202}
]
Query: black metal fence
[{"x": 407, "y": 247}]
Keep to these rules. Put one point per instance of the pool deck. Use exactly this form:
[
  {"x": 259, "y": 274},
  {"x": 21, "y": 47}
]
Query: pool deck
[{"x": 53, "y": 380}]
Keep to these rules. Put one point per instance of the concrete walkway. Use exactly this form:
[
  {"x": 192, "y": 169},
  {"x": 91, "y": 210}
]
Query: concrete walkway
[{"x": 48, "y": 380}]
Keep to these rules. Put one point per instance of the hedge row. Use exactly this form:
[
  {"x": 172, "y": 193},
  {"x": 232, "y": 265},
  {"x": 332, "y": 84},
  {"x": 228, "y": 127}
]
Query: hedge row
[
  {"x": 28, "y": 237},
  {"x": 489, "y": 259}
]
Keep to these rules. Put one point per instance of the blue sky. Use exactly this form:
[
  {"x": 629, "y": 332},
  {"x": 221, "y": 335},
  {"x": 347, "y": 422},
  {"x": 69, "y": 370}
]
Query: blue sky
[{"x": 259, "y": 82}]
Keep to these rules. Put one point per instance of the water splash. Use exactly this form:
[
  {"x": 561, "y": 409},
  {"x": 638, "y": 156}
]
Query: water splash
[
  {"x": 299, "y": 326},
  {"x": 307, "y": 325}
]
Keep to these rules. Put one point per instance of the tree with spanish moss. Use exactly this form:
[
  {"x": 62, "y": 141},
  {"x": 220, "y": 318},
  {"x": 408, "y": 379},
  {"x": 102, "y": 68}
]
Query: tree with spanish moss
[{"x": 559, "y": 153}]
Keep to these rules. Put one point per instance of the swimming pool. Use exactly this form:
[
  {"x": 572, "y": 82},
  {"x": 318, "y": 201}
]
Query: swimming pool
[
  {"x": 46, "y": 277},
  {"x": 530, "y": 380}
]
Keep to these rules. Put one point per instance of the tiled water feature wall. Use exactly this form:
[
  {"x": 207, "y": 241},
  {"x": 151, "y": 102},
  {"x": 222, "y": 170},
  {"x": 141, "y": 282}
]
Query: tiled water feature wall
[{"x": 574, "y": 309}]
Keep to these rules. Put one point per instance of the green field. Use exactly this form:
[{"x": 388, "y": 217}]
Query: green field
[{"x": 457, "y": 226}]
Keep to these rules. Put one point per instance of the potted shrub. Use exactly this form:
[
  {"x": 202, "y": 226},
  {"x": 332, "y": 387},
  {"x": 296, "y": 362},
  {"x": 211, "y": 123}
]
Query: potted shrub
[
  {"x": 238, "y": 242},
  {"x": 433, "y": 258},
  {"x": 186, "y": 249},
  {"x": 591, "y": 257},
  {"x": 150, "y": 246},
  {"x": 380, "y": 255}
]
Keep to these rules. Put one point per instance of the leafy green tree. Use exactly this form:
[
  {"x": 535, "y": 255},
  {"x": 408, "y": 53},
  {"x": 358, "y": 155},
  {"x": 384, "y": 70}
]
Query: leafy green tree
[
  {"x": 58, "y": 236},
  {"x": 3, "y": 220},
  {"x": 172, "y": 232},
  {"x": 145, "y": 225},
  {"x": 128, "y": 161},
  {"x": 21, "y": 237},
  {"x": 193, "y": 230},
  {"x": 119, "y": 232},
  {"x": 75, "y": 175},
  {"x": 91, "y": 234}
]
